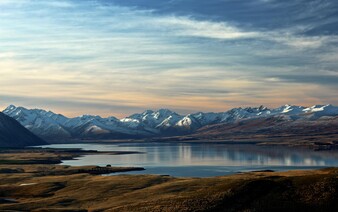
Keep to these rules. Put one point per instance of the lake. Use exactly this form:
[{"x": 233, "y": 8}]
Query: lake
[{"x": 202, "y": 160}]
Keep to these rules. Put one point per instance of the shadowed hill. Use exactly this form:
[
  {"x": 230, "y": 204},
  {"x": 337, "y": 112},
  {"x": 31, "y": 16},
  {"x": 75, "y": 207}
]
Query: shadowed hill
[
  {"x": 12, "y": 134},
  {"x": 255, "y": 191}
]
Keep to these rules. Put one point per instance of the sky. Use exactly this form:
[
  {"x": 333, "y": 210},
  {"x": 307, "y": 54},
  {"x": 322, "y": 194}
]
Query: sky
[{"x": 119, "y": 57}]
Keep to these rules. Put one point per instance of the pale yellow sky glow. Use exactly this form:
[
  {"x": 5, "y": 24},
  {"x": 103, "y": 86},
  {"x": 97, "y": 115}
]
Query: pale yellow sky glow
[{"x": 111, "y": 60}]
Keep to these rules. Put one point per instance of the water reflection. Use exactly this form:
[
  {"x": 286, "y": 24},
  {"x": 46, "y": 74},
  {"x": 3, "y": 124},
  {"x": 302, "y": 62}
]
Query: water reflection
[{"x": 203, "y": 159}]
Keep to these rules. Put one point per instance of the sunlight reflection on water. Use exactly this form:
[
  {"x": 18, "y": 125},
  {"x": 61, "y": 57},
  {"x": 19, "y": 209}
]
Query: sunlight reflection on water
[{"x": 202, "y": 160}]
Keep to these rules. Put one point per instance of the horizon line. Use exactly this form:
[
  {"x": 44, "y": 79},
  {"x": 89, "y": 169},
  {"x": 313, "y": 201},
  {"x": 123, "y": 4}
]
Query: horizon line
[{"x": 171, "y": 110}]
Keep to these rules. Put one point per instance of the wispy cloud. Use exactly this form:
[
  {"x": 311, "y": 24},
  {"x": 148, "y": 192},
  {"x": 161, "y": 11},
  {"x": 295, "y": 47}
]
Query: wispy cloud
[
  {"x": 97, "y": 52},
  {"x": 184, "y": 26}
]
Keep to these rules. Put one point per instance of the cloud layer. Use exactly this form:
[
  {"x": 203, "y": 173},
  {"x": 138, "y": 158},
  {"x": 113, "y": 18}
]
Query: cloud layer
[{"x": 117, "y": 57}]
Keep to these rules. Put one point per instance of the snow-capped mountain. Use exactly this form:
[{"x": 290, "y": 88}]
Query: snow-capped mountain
[
  {"x": 43, "y": 123},
  {"x": 289, "y": 110},
  {"x": 154, "y": 121},
  {"x": 50, "y": 125},
  {"x": 150, "y": 123},
  {"x": 322, "y": 110}
]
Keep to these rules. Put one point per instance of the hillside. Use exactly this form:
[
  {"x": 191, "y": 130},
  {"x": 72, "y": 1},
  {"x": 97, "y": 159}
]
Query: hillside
[{"x": 13, "y": 134}]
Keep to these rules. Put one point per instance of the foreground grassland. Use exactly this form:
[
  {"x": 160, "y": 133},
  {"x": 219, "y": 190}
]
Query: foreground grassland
[{"x": 46, "y": 187}]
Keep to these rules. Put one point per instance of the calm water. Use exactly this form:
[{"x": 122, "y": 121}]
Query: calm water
[{"x": 202, "y": 160}]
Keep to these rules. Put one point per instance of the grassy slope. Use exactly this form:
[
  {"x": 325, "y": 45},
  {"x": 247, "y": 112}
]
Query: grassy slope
[{"x": 296, "y": 190}]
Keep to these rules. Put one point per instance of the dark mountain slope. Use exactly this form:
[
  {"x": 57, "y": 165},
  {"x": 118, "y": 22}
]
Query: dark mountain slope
[{"x": 13, "y": 134}]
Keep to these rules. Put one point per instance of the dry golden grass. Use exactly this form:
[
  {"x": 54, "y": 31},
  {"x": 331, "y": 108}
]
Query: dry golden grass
[
  {"x": 311, "y": 190},
  {"x": 42, "y": 187}
]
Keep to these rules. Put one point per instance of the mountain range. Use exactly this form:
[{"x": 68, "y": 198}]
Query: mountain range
[
  {"x": 13, "y": 134},
  {"x": 163, "y": 122}
]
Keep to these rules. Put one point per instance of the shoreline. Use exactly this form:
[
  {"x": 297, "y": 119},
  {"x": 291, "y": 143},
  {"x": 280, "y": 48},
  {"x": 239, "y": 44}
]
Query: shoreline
[
  {"x": 315, "y": 146},
  {"x": 55, "y": 155},
  {"x": 55, "y": 187},
  {"x": 41, "y": 158}
]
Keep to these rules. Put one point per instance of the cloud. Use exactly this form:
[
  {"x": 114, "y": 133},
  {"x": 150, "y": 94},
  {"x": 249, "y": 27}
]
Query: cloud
[
  {"x": 59, "y": 4},
  {"x": 7, "y": 2},
  {"x": 330, "y": 80},
  {"x": 51, "y": 3},
  {"x": 141, "y": 57},
  {"x": 183, "y": 26}
]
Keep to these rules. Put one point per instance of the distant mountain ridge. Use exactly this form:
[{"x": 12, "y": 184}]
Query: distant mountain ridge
[
  {"x": 151, "y": 123},
  {"x": 13, "y": 134}
]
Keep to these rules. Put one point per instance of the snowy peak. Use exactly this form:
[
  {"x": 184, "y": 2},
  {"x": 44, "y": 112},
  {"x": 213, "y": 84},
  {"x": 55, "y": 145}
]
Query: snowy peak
[
  {"x": 151, "y": 123},
  {"x": 155, "y": 119},
  {"x": 10, "y": 108},
  {"x": 189, "y": 123},
  {"x": 244, "y": 113},
  {"x": 185, "y": 122},
  {"x": 41, "y": 122},
  {"x": 204, "y": 119},
  {"x": 155, "y": 114},
  {"x": 288, "y": 110},
  {"x": 321, "y": 110},
  {"x": 256, "y": 109},
  {"x": 147, "y": 112},
  {"x": 88, "y": 117},
  {"x": 32, "y": 113}
]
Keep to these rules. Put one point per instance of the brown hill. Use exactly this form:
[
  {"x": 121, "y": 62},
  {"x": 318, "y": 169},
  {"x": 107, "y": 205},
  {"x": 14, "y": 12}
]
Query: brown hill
[{"x": 321, "y": 132}]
